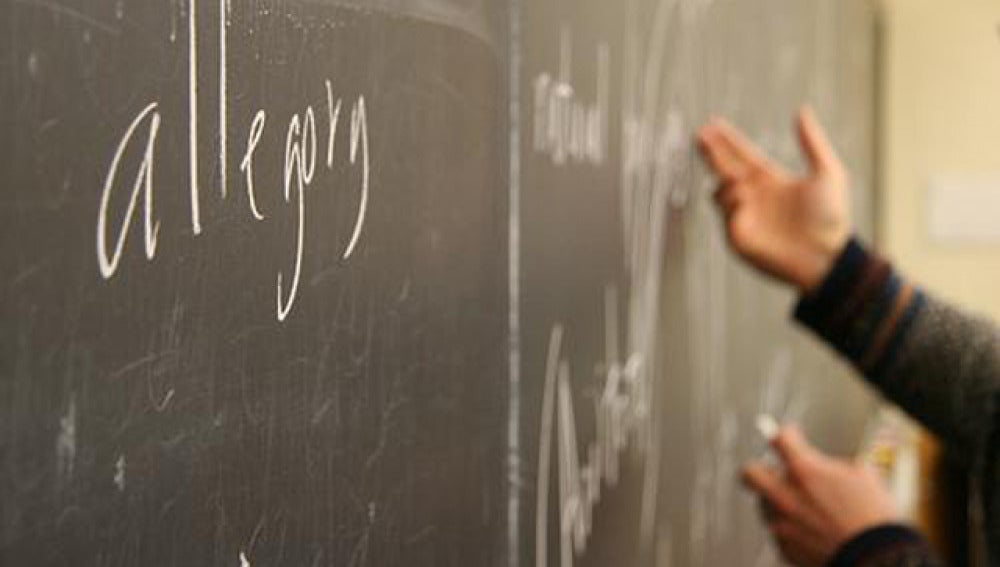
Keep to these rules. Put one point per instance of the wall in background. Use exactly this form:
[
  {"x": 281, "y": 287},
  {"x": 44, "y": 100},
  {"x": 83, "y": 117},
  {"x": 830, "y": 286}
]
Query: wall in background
[
  {"x": 941, "y": 120},
  {"x": 940, "y": 189}
]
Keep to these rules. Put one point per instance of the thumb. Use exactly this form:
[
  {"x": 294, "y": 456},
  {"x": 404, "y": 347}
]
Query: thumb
[{"x": 815, "y": 144}]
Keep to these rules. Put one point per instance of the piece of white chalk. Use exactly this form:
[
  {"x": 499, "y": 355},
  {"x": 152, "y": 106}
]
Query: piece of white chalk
[{"x": 767, "y": 426}]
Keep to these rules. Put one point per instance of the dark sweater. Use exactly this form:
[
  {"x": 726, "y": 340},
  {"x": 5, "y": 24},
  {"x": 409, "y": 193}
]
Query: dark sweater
[{"x": 940, "y": 365}]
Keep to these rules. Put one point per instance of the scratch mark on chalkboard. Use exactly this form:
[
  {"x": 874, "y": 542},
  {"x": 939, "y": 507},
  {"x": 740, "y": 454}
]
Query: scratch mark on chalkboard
[
  {"x": 72, "y": 14},
  {"x": 120, "y": 473},
  {"x": 421, "y": 535},
  {"x": 34, "y": 66},
  {"x": 173, "y": 21},
  {"x": 385, "y": 425},
  {"x": 172, "y": 442},
  {"x": 318, "y": 415},
  {"x": 66, "y": 514},
  {"x": 140, "y": 362},
  {"x": 404, "y": 291},
  {"x": 360, "y": 554},
  {"x": 66, "y": 442},
  {"x": 161, "y": 405},
  {"x": 27, "y": 273},
  {"x": 257, "y": 529}
]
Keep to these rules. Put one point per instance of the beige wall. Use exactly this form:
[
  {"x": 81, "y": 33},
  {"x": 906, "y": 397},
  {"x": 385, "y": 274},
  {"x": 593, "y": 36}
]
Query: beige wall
[{"x": 940, "y": 115}]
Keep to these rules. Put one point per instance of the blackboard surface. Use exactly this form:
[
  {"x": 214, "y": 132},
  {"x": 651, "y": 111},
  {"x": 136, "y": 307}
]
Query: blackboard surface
[
  {"x": 398, "y": 283},
  {"x": 647, "y": 352}
]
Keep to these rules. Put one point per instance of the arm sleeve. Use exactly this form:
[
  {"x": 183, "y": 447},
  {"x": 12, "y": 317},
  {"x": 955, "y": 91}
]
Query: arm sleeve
[
  {"x": 940, "y": 365},
  {"x": 889, "y": 545}
]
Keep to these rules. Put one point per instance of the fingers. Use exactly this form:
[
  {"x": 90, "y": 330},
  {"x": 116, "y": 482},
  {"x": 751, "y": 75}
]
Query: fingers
[
  {"x": 728, "y": 152},
  {"x": 817, "y": 148},
  {"x": 772, "y": 487},
  {"x": 728, "y": 197},
  {"x": 733, "y": 156},
  {"x": 798, "y": 546},
  {"x": 720, "y": 157},
  {"x": 737, "y": 144},
  {"x": 794, "y": 450}
]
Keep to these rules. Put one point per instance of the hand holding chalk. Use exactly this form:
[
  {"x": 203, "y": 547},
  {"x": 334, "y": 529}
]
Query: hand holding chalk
[{"x": 814, "y": 503}]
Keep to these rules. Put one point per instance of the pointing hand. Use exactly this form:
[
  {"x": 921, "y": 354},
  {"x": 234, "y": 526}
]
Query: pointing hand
[{"x": 790, "y": 227}]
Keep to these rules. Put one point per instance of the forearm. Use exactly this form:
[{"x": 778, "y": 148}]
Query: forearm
[{"x": 938, "y": 364}]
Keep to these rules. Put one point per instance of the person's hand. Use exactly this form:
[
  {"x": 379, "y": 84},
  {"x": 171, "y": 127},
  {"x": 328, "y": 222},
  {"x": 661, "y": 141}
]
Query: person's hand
[
  {"x": 789, "y": 227},
  {"x": 817, "y": 503}
]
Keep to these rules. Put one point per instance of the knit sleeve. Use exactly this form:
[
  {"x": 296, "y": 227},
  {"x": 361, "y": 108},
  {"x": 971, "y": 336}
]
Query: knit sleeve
[
  {"x": 940, "y": 365},
  {"x": 889, "y": 545}
]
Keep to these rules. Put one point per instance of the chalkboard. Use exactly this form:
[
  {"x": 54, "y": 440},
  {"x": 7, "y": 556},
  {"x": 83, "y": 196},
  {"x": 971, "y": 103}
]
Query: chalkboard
[
  {"x": 437, "y": 282},
  {"x": 646, "y": 350}
]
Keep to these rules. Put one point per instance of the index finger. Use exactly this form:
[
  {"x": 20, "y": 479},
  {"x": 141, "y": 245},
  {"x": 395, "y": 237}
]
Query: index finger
[
  {"x": 720, "y": 157},
  {"x": 730, "y": 153},
  {"x": 738, "y": 144},
  {"x": 794, "y": 450},
  {"x": 771, "y": 487}
]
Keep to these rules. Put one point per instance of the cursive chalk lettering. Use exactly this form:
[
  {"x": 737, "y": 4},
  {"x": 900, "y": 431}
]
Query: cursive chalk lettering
[
  {"x": 143, "y": 181},
  {"x": 565, "y": 128},
  {"x": 256, "y": 130},
  {"x": 621, "y": 417},
  {"x": 302, "y": 146},
  {"x": 359, "y": 133},
  {"x": 300, "y": 165}
]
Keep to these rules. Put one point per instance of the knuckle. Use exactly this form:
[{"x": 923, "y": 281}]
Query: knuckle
[
  {"x": 802, "y": 469},
  {"x": 782, "y": 503},
  {"x": 781, "y": 530}
]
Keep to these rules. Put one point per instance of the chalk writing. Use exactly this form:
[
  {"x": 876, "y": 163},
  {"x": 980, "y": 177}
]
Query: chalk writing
[
  {"x": 653, "y": 142},
  {"x": 333, "y": 111},
  {"x": 143, "y": 180},
  {"x": 622, "y": 417},
  {"x": 300, "y": 165},
  {"x": 564, "y": 126},
  {"x": 246, "y": 166},
  {"x": 300, "y": 156},
  {"x": 359, "y": 131}
]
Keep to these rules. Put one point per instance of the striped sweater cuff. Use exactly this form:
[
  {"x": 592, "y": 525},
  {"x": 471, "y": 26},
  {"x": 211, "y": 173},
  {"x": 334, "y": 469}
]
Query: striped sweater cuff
[
  {"x": 862, "y": 308},
  {"x": 888, "y": 545}
]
